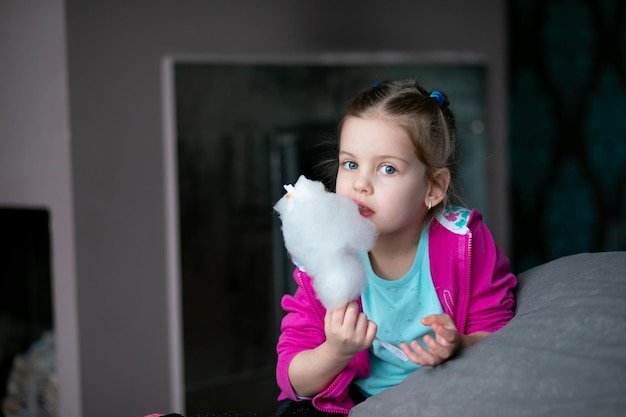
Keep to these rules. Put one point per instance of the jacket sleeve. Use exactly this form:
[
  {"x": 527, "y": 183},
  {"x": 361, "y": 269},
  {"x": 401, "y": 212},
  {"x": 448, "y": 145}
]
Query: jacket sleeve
[
  {"x": 491, "y": 302},
  {"x": 302, "y": 328}
]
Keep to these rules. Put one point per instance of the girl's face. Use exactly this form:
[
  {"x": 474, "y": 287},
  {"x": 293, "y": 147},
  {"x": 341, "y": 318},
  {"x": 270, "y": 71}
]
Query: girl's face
[{"x": 378, "y": 169}]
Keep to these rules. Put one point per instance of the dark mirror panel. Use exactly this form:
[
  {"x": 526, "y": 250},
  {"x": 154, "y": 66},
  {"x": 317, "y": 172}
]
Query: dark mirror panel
[{"x": 243, "y": 131}]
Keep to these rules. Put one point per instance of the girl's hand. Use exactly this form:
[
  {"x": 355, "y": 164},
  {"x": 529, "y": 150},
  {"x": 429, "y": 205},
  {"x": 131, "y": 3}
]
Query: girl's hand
[
  {"x": 445, "y": 344},
  {"x": 348, "y": 331}
]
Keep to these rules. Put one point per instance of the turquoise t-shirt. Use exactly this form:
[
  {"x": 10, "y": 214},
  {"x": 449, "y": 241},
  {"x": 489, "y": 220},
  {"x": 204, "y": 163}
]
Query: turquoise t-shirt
[{"x": 396, "y": 307}]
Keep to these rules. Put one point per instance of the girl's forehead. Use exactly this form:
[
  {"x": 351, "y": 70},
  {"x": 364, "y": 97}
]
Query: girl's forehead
[{"x": 373, "y": 132}]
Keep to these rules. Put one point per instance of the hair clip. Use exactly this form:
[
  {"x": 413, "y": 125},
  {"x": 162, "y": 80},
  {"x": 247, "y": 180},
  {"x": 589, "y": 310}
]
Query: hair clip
[
  {"x": 438, "y": 96},
  {"x": 376, "y": 84}
]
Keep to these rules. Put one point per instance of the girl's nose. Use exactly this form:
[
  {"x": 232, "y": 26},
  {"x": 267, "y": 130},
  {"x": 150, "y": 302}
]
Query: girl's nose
[{"x": 362, "y": 184}]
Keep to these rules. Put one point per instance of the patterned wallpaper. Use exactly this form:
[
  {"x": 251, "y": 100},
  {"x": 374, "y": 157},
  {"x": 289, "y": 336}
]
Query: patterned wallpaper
[{"x": 567, "y": 128}]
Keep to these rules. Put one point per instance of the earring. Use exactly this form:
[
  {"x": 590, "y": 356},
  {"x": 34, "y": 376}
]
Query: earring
[{"x": 430, "y": 204}]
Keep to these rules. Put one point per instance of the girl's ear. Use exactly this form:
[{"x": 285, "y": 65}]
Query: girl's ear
[{"x": 438, "y": 187}]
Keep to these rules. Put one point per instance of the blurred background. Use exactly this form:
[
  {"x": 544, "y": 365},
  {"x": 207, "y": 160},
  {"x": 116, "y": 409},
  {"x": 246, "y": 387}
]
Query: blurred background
[{"x": 143, "y": 143}]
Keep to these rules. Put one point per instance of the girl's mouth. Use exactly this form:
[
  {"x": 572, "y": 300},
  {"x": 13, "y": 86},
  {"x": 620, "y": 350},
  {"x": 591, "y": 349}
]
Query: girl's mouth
[{"x": 364, "y": 210}]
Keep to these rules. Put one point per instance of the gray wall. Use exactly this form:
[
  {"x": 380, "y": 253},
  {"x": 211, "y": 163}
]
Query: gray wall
[
  {"x": 35, "y": 166},
  {"x": 120, "y": 183}
]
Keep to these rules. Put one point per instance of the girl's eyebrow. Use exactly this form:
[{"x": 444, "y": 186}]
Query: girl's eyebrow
[{"x": 384, "y": 157}]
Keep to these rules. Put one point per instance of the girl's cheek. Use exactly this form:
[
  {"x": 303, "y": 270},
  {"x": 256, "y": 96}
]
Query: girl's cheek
[{"x": 340, "y": 191}]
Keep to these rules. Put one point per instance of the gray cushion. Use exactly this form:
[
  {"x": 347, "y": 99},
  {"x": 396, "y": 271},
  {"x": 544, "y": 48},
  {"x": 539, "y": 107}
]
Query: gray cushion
[{"x": 563, "y": 354}]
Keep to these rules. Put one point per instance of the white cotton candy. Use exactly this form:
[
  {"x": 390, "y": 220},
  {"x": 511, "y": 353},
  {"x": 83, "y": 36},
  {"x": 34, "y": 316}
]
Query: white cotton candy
[{"x": 323, "y": 232}]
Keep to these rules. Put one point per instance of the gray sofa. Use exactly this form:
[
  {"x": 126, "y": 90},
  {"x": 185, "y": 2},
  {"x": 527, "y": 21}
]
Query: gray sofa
[{"x": 563, "y": 354}]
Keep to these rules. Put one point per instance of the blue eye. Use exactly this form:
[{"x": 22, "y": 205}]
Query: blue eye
[
  {"x": 388, "y": 170},
  {"x": 350, "y": 165}
]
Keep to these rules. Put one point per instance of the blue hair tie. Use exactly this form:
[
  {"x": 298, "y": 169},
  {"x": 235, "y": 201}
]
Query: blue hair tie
[
  {"x": 376, "y": 84},
  {"x": 437, "y": 96}
]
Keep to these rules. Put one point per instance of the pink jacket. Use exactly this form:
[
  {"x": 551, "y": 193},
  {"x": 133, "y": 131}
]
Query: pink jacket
[{"x": 472, "y": 280}]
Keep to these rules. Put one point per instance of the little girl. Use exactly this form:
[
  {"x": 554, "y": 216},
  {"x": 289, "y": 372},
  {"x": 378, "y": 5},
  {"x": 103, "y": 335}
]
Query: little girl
[{"x": 436, "y": 282}]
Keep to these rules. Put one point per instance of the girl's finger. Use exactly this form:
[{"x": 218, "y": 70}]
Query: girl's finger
[
  {"x": 417, "y": 354},
  {"x": 361, "y": 323},
  {"x": 437, "y": 349},
  {"x": 351, "y": 315}
]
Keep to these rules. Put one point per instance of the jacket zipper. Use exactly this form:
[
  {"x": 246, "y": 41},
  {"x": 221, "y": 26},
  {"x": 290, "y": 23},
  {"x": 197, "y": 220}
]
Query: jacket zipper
[
  {"x": 468, "y": 279},
  {"x": 308, "y": 296},
  {"x": 327, "y": 389}
]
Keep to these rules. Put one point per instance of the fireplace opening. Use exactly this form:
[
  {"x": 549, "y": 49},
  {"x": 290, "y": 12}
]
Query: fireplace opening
[{"x": 26, "y": 316}]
